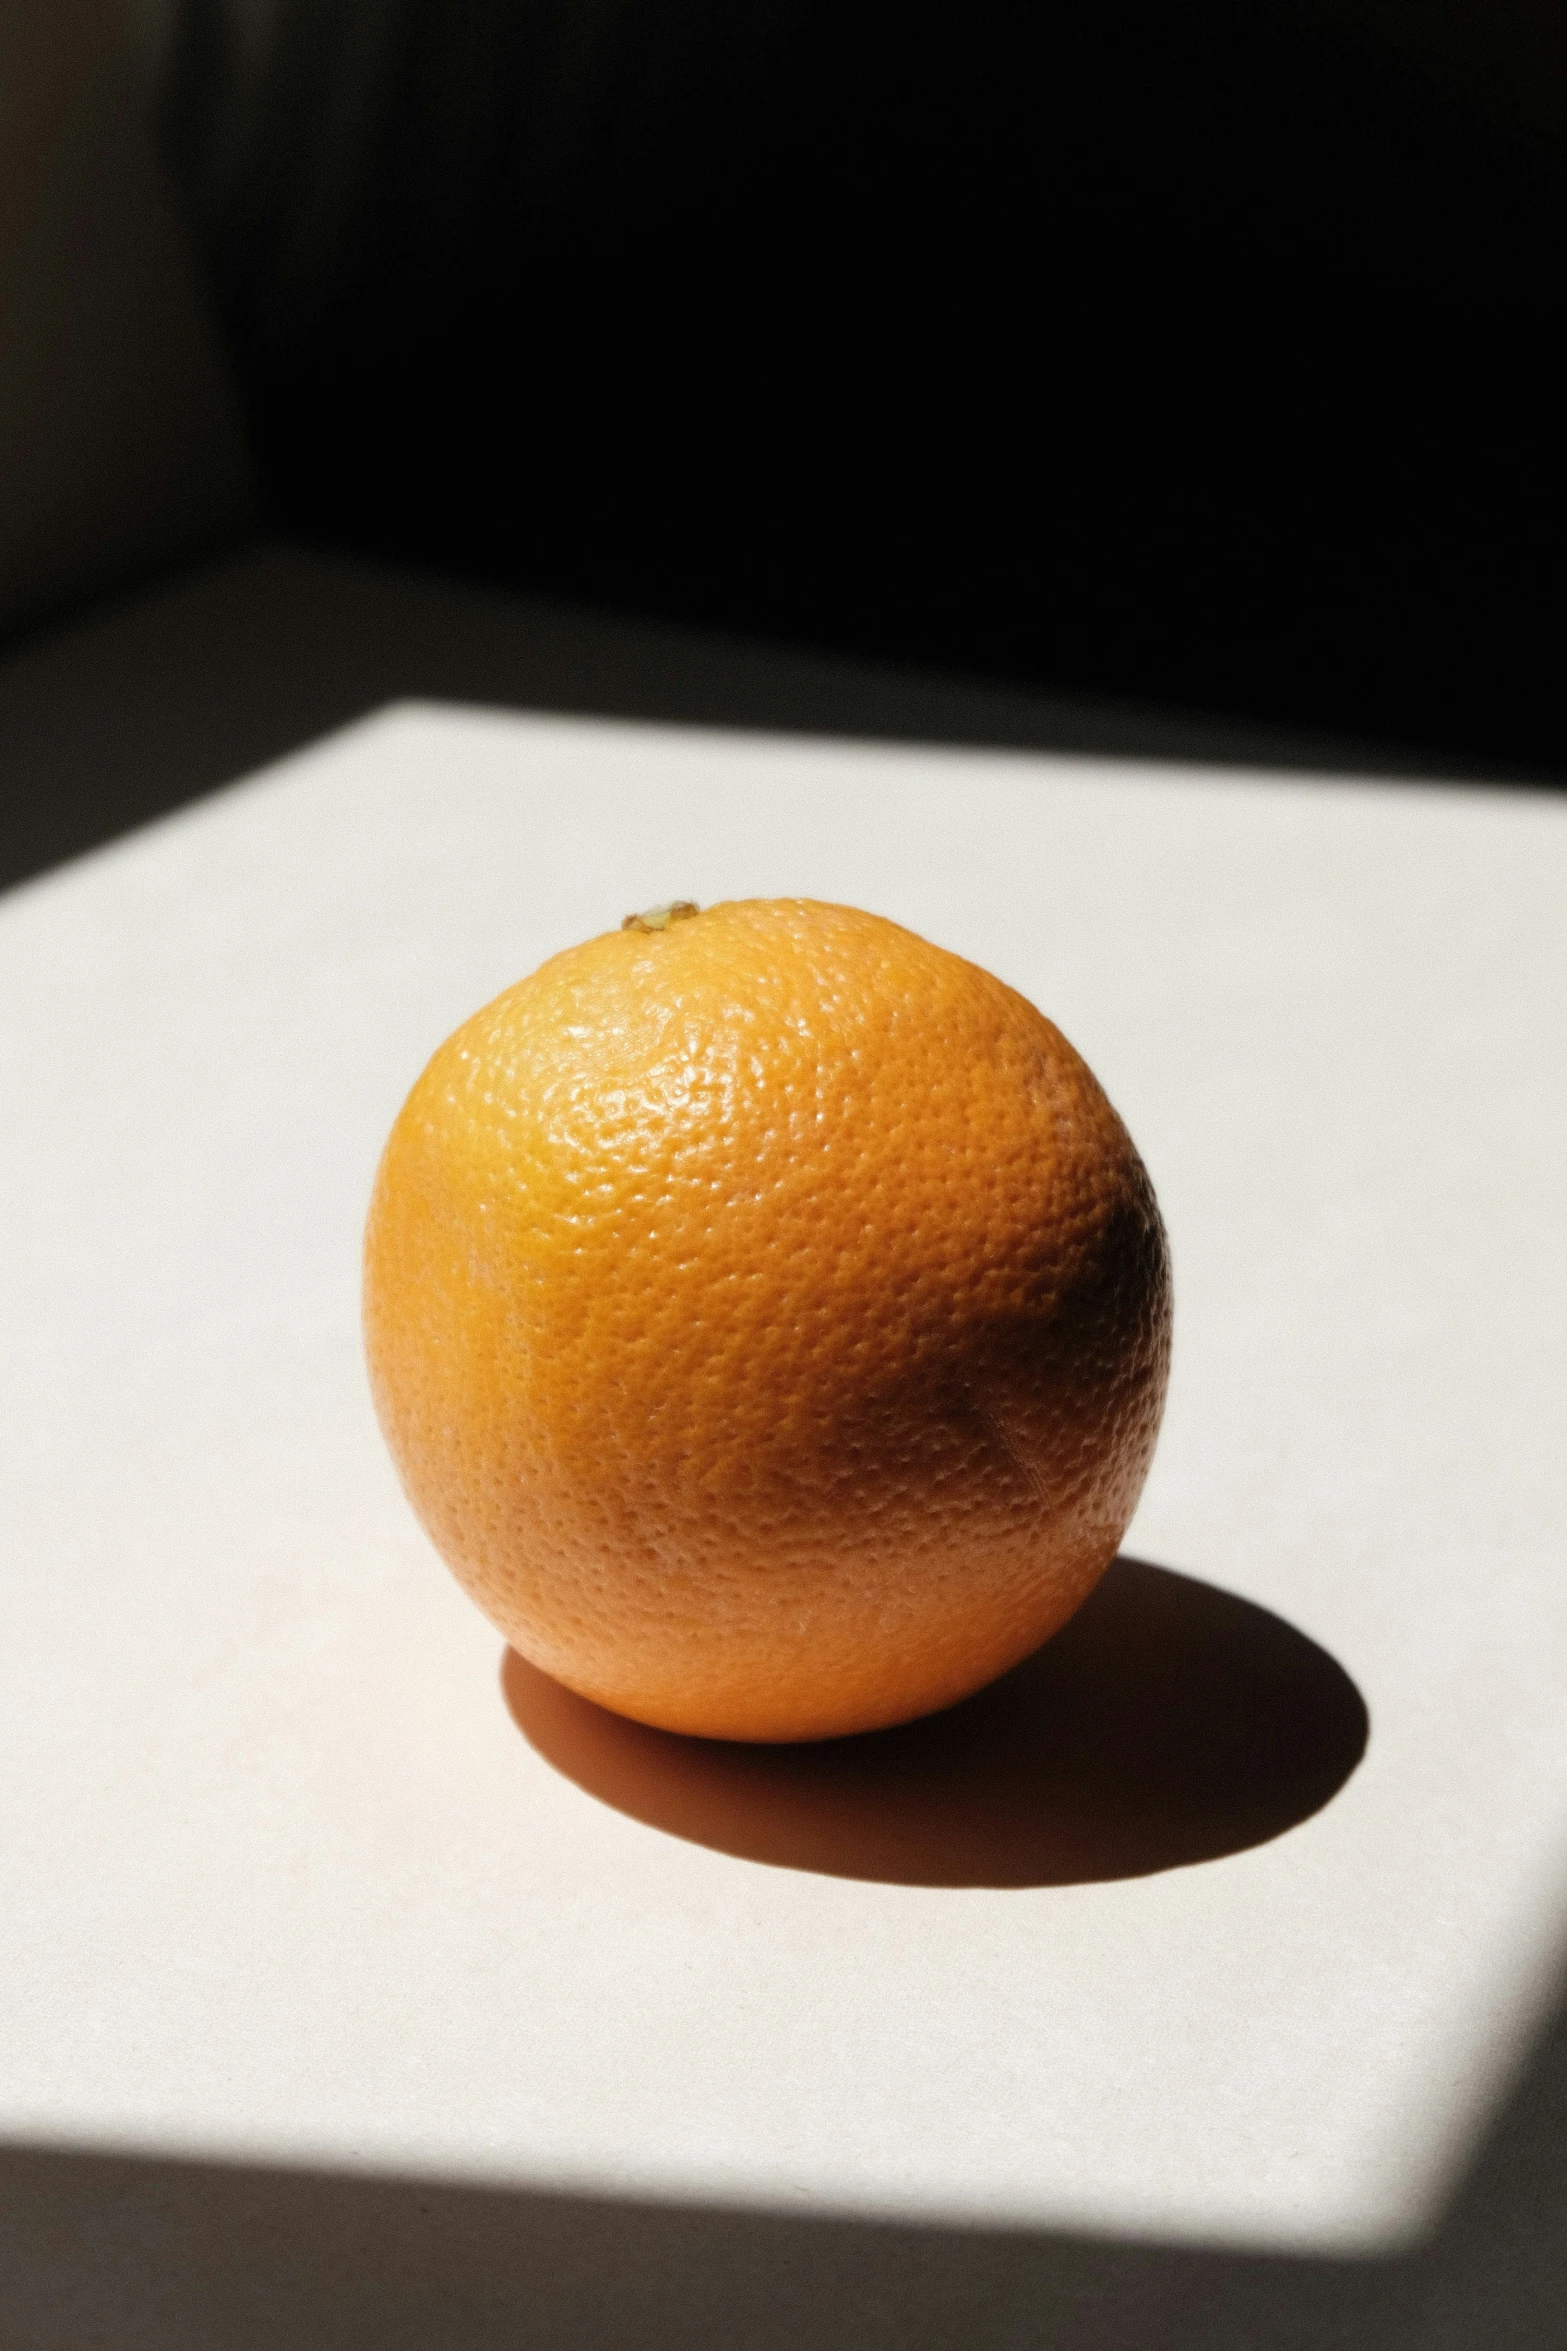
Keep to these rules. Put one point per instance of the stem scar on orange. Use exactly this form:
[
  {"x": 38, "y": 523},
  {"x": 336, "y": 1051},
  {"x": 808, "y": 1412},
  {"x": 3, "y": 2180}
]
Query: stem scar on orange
[{"x": 769, "y": 1318}]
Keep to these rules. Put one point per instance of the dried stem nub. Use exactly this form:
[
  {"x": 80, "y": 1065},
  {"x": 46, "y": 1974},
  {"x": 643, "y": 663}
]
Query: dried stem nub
[{"x": 659, "y": 918}]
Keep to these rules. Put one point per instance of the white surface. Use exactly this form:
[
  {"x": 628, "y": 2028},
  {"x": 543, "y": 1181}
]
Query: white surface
[{"x": 280, "y": 1878}]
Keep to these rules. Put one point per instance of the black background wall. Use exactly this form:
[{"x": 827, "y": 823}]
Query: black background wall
[{"x": 1198, "y": 352}]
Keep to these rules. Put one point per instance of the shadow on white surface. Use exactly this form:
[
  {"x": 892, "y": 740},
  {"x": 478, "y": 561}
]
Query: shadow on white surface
[
  {"x": 145, "y": 705},
  {"x": 121, "y": 2254},
  {"x": 1168, "y": 1723}
]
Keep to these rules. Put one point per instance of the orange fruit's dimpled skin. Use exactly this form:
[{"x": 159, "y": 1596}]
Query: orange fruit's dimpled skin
[{"x": 769, "y": 1318}]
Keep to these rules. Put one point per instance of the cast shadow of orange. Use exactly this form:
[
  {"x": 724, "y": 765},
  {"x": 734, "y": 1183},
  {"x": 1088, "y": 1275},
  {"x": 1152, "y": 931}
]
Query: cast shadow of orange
[{"x": 1168, "y": 1723}]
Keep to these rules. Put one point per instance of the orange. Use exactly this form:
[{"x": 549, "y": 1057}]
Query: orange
[{"x": 769, "y": 1318}]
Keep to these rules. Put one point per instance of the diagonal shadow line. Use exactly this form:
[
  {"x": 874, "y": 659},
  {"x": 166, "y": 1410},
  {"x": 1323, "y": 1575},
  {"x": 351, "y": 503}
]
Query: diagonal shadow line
[
  {"x": 112, "y": 2252},
  {"x": 106, "y": 2252},
  {"x": 155, "y": 699}
]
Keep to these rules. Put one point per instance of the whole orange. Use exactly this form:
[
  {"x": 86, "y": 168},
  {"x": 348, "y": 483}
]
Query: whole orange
[{"x": 769, "y": 1317}]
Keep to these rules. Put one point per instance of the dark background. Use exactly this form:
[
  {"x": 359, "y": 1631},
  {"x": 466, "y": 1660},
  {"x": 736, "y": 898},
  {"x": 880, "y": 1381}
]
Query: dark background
[{"x": 1201, "y": 355}]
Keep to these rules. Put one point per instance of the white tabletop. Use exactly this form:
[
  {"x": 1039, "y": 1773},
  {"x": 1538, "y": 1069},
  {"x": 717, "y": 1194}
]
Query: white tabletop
[{"x": 284, "y": 1881}]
